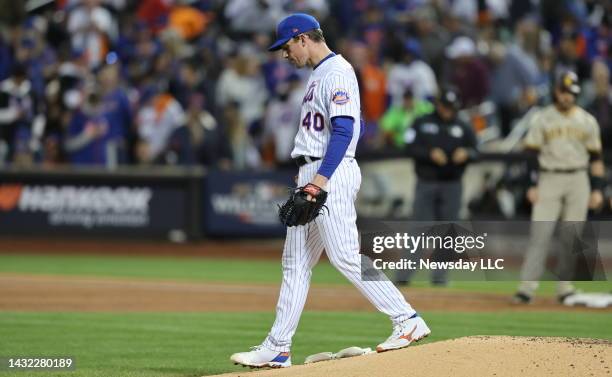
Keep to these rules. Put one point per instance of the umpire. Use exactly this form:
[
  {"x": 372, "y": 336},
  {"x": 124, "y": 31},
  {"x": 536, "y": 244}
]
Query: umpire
[
  {"x": 441, "y": 146},
  {"x": 567, "y": 142}
]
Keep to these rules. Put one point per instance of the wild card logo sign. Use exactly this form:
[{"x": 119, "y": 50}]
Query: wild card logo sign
[
  {"x": 245, "y": 203},
  {"x": 251, "y": 202}
]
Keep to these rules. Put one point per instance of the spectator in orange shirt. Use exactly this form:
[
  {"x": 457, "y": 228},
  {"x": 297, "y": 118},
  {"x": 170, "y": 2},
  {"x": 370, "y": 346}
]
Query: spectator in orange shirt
[
  {"x": 373, "y": 84},
  {"x": 188, "y": 21}
]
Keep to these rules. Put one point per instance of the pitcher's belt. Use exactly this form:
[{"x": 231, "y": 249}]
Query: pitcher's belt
[{"x": 303, "y": 160}]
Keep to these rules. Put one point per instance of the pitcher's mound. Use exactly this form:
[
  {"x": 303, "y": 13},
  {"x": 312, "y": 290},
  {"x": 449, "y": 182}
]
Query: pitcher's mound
[{"x": 471, "y": 356}]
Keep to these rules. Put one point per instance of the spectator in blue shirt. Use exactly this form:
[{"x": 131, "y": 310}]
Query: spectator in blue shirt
[
  {"x": 117, "y": 108},
  {"x": 88, "y": 134}
]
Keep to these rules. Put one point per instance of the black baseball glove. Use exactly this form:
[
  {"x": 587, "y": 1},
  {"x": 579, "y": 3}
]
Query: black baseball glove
[{"x": 298, "y": 210}]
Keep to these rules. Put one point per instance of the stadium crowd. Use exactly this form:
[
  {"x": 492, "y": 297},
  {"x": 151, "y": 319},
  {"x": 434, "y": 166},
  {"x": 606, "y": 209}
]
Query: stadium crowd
[{"x": 112, "y": 82}]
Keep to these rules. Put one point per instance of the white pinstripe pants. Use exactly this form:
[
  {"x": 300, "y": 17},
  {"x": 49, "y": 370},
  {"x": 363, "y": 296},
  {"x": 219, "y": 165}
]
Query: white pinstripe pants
[{"x": 336, "y": 232}]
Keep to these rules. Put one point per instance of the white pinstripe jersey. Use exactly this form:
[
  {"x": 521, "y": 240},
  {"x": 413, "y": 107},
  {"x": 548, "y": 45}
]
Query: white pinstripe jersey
[{"x": 332, "y": 90}]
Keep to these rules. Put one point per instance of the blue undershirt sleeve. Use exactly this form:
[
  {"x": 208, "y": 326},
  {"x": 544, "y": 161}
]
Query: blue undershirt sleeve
[{"x": 341, "y": 136}]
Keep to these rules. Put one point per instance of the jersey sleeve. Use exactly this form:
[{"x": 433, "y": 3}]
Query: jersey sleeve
[
  {"x": 535, "y": 133},
  {"x": 593, "y": 139},
  {"x": 341, "y": 94}
]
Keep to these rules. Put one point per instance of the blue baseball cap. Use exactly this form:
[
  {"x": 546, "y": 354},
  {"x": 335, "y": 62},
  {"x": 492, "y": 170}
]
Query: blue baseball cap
[{"x": 291, "y": 27}]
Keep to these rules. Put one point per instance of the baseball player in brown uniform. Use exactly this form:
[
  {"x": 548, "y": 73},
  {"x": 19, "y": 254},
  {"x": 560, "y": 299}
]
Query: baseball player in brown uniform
[{"x": 568, "y": 144}]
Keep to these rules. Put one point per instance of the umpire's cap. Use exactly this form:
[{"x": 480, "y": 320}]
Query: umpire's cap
[
  {"x": 449, "y": 97},
  {"x": 568, "y": 82},
  {"x": 291, "y": 27}
]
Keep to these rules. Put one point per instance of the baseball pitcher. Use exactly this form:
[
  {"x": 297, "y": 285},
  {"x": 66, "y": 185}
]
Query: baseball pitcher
[{"x": 321, "y": 212}]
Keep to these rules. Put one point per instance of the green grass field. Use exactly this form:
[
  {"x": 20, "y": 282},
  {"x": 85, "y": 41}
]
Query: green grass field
[
  {"x": 182, "y": 344},
  {"x": 196, "y": 344}
]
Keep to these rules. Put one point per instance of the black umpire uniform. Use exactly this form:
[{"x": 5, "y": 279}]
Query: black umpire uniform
[{"x": 441, "y": 145}]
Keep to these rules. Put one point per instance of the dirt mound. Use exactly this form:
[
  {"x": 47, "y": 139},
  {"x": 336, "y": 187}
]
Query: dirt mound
[{"x": 471, "y": 356}]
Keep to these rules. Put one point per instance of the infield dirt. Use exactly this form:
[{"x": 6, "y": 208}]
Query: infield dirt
[
  {"x": 22, "y": 292},
  {"x": 498, "y": 356}
]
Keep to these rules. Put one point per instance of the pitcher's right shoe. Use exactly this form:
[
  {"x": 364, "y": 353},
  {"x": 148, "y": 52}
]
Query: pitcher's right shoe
[
  {"x": 411, "y": 330},
  {"x": 262, "y": 357}
]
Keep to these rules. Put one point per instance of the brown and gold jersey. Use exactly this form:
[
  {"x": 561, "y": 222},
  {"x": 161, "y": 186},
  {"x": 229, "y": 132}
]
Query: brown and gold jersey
[{"x": 564, "y": 140}]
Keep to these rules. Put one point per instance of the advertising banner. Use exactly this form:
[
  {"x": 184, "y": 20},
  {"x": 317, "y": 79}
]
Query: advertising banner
[
  {"x": 245, "y": 203},
  {"x": 82, "y": 205}
]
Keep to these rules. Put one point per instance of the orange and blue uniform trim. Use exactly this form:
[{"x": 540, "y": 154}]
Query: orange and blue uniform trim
[{"x": 281, "y": 357}]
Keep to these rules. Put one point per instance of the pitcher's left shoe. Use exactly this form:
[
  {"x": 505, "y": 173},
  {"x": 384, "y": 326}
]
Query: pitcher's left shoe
[
  {"x": 262, "y": 357},
  {"x": 411, "y": 330}
]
